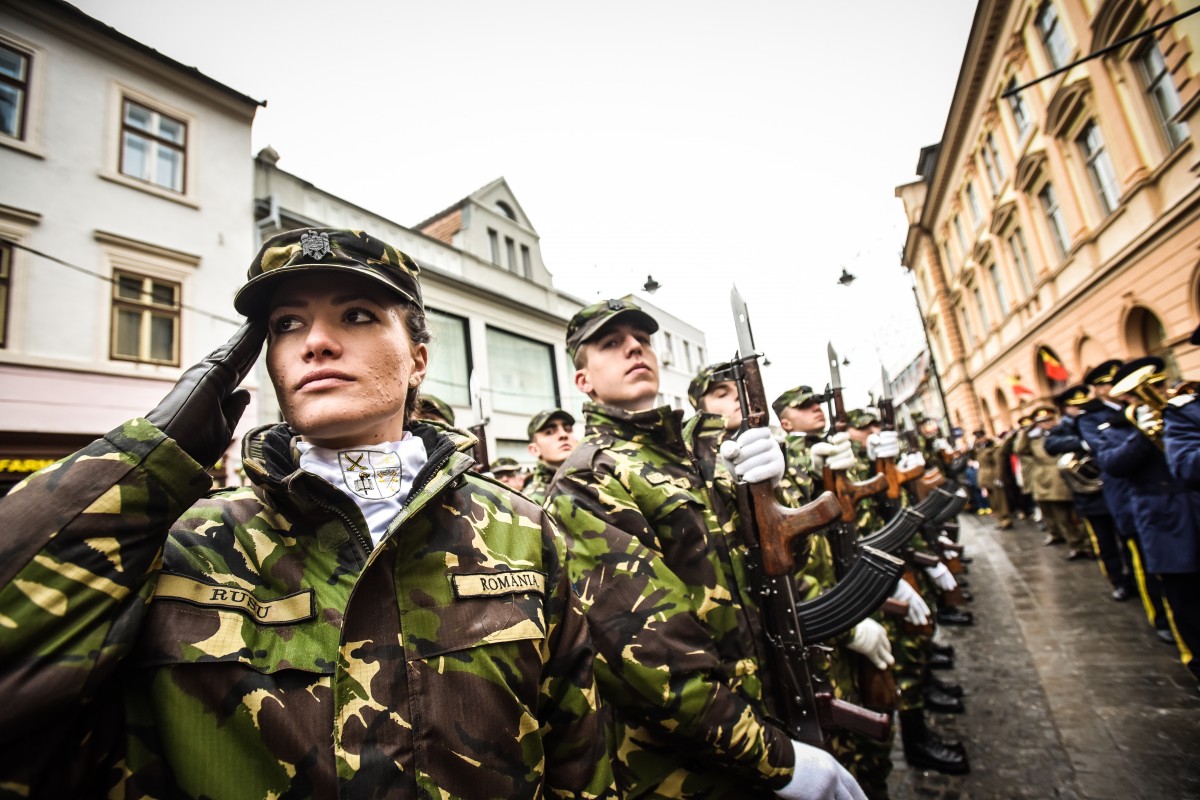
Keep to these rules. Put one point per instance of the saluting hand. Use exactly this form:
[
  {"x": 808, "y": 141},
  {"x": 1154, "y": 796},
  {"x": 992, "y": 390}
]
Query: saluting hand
[{"x": 202, "y": 410}]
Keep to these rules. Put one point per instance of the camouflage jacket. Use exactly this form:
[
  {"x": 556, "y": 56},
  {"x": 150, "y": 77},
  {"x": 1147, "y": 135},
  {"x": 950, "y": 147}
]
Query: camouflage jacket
[
  {"x": 161, "y": 640},
  {"x": 539, "y": 482},
  {"x": 798, "y": 485},
  {"x": 663, "y": 578}
]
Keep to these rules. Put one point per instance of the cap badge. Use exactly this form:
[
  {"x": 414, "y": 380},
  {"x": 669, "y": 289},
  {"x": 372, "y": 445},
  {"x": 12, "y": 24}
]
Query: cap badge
[{"x": 315, "y": 244}]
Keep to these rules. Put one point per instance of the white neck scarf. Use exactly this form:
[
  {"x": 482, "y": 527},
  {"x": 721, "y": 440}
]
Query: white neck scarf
[{"x": 377, "y": 477}]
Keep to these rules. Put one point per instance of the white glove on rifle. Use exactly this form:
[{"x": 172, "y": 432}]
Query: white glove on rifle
[
  {"x": 754, "y": 456},
  {"x": 885, "y": 444},
  {"x": 837, "y": 453},
  {"x": 941, "y": 576},
  {"x": 918, "y": 609},
  {"x": 910, "y": 460},
  {"x": 870, "y": 639},
  {"x": 949, "y": 544},
  {"x": 818, "y": 776}
]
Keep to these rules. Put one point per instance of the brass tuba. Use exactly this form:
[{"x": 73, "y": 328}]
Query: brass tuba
[
  {"x": 1144, "y": 384},
  {"x": 1080, "y": 472}
]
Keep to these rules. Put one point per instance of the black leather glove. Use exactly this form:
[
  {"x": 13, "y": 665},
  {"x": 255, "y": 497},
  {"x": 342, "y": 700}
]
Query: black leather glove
[{"x": 202, "y": 410}]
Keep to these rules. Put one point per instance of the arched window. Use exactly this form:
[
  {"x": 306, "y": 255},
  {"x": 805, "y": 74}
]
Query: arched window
[
  {"x": 1002, "y": 411},
  {"x": 1052, "y": 374},
  {"x": 1145, "y": 335},
  {"x": 506, "y": 210}
]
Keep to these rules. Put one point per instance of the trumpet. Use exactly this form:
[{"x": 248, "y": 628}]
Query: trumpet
[{"x": 1144, "y": 385}]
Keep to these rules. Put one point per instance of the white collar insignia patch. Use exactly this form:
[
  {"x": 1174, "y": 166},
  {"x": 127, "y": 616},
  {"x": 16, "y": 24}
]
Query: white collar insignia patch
[{"x": 371, "y": 474}]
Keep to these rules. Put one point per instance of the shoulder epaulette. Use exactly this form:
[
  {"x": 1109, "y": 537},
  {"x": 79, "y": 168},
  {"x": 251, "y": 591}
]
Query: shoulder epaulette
[{"x": 1181, "y": 400}]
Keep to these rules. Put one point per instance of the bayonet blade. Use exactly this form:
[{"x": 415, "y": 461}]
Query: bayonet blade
[
  {"x": 741, "y": 322},
  {"x": 886, "y": 393},
  {"x": 835, "y": 372}
]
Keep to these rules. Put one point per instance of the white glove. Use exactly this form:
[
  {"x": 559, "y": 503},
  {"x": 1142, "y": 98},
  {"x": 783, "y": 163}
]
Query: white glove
[
  {"x": 1036, "y": 433},
  {"x": 949, "y": 544},
  {"x": 870, "y": 639},
  {"x": 910, "y": 460},
  {"x": 941, "y": 577},
  {"x": 1146, "y": 419},
  {"x": 818, "y": 776},
  {"x": 918, "y": 609},
  {"x": 885, "y": 444},
  {"x": 754, "y": 456},
  {"x": 837, "y": 453}
]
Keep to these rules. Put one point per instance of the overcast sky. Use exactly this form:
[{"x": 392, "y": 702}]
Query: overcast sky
[{"x": 701, "y": 142}]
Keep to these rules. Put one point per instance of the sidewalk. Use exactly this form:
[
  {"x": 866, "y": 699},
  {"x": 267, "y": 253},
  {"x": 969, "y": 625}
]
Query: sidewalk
[{"x": 1068, "y": 693}]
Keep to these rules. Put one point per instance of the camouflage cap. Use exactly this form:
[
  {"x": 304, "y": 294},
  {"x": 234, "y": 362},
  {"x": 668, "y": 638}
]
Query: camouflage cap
[
  {"x": 861, "y": 417},
  {"x": 1077, "y": 395},
  {"x": 700, "y": 386},
  {"x": 794, "y": 398},
  {"x": 430, "y": 406},
  {"x": 544, "y": 418},
  {"x": 588, "y": 321},
  {"x": 1102, "y": 374},
  {"x": 325, "y": 249},
  {"x": 505, "y": 464}
]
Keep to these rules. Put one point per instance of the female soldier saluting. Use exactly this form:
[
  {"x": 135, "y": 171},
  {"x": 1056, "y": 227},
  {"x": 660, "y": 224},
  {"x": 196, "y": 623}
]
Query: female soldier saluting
[{"x": 368, "y": 618}]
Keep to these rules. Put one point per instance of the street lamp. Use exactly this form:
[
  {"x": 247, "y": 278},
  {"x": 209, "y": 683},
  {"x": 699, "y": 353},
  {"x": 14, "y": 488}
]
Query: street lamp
[
  {"x": 651, "y": 286},
  {"x": 846, "y": 278}
]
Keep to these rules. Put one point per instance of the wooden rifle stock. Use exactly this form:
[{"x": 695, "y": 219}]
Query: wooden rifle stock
[
  {"x": 835, "y": 713},
  {"x": 479, "y": 451},
  {"x": 780, "y": 526},
  {"x": 931, "y": 480},
  {"x": 850, "y": 492}
]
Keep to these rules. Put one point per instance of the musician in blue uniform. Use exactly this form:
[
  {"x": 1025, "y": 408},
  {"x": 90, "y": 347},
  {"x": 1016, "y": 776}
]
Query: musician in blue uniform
[
  {"x": 1166, "y": 512},
  {"x": 1181, "y": 434}
]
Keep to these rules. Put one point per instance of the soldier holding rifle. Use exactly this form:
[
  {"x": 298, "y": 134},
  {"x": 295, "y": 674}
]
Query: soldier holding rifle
[{"x": 637, "y": 511}]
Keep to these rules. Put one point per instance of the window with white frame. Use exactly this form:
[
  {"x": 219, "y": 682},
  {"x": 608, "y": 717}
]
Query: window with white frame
[
  {"x": 998, "y": 284},
  {"x": 1020, "y": 111},
  {"x": 991, "y": 164},
  {"x": 966, "y": 320},
  {"x": 948, "y": 256},
  {"x": 510, "y": 250},
  {"x": 494, "y": 246},
  {"x": 1053, "y": 35},
  {"x": 14, "y": 90},
  {"x": 522, "y": 373},
  {"x": 145, "y": 319},
  {"x": 5, "y": 289},
  {"x": 961, "y": 233},
  {"x": 1020, "y": 253},
  {"x": 973, "y": 202},
  {"x": 984, "y": 318},
  {"x": 449, "y": 372},
  {"x": 1164, "y": 97},
  {"x": 526, "y": 263},
  {"x": 1099, "y": 166},
  {"x": 153, "y": 146},
  {"x": 1054, "y": 219}
]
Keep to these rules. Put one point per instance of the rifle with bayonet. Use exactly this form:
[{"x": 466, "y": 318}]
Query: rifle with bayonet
[
  {"x": 805, "y": 709},
  {"x": 895, "y": 476}
]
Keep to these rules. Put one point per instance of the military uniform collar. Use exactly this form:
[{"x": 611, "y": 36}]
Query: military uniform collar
[{"x": 650, "y": 426}]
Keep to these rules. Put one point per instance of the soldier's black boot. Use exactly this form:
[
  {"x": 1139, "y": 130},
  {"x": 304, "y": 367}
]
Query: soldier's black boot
[{"x": 925, "y": 750}]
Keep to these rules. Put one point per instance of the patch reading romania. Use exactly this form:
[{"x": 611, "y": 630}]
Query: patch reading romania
[
  {"x": 371, "y": 474},
  {"x": 281, "y": 611},
  {"x": 495, "y": 584}
]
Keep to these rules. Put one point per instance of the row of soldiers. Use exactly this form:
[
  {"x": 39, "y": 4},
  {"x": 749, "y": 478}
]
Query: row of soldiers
[
  {"x": 372, "y": 617},
  {"x": 634, "y": 438},
  {"x": 1113, "y": 470}
]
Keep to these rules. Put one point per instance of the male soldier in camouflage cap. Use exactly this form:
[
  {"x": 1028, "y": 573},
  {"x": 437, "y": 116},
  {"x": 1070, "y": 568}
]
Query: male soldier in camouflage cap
[
  {"x": 509, "y": 472},
  {"x": 658, "y": 560},
  {"x": 247, "y": 642},
  {"x": 431, "y": 408},
  {"x": 551, "y": 440}
]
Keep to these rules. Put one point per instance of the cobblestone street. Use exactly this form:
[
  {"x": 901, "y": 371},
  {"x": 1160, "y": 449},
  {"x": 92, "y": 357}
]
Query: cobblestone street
[{"x": 1068, "y": 693}]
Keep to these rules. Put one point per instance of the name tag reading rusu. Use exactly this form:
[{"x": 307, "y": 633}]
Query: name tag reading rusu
[
  {"x": 497, "y": 584},
  {"x": 280, "y": 611}
]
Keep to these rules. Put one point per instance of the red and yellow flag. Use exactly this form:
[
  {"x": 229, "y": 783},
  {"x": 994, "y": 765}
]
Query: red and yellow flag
[
  {"x": 1055, "y": 371},
  {"x": 1019, "y": 388}
]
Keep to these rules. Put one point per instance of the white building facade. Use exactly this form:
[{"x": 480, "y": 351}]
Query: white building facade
[{"x": 127, "y": 173}]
